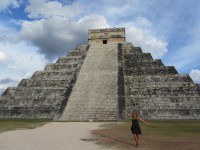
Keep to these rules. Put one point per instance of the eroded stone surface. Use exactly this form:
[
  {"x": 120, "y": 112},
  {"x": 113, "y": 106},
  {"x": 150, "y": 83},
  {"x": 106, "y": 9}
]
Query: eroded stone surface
[
  {"x": 157, "y": 91},
  {"x": 113, "y": 77},
  {"x": 42, "y": 95}
]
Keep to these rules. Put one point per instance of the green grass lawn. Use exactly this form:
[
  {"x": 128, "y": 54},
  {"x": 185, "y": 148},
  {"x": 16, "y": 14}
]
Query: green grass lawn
[
  {"x": 14, "y": 124},
  {"x": 172, "y": 128}
]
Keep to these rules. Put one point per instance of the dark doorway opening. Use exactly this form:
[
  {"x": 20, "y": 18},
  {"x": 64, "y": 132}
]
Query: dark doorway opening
[{"x": 104, "y": 41}]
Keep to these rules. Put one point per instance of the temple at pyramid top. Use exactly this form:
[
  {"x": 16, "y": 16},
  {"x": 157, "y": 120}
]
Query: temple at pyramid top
[{"x": 106, "y": 36}]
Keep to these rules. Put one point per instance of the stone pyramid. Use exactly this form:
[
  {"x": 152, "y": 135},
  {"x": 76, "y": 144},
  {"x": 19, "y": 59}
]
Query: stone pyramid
[{"x": 99, "y": 80}]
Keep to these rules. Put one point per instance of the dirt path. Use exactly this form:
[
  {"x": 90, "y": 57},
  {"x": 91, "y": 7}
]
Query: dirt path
[
  {"x": 52, "y": 136},
  {"x": 77, "y": 136}
]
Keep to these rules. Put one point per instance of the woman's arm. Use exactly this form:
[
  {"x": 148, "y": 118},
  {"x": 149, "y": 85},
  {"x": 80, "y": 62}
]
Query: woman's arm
[
  {"x": 143, "y": 121},
  {"x": 127, "y": 113}
]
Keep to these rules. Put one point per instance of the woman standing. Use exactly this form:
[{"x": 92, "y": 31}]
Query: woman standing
[{"x": 135, "y": 128}]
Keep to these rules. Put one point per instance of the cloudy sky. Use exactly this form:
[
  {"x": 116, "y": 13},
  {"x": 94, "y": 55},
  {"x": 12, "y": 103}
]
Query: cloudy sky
[{"x": 36, "y": 32}]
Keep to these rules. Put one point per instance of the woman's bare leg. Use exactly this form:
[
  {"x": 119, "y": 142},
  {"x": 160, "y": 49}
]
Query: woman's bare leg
[{"x": 135, "y": 138}]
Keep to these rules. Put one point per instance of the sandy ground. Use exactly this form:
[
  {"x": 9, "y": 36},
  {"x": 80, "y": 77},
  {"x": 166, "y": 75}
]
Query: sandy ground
[{"x": 52, "y": 136}]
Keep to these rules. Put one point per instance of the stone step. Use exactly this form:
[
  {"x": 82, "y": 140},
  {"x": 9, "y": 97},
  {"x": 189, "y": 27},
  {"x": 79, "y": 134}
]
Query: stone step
[
  {"x": 183, "y": 89},
  {"x": 82, "y": 48},
  {"x": 55, "y": 97},
  {"x": 69, "y": 59},
  {"x": 31, "y": 102},
  {"x": 162, "y": 94},
  {"x": 171, "y": 99},
  {"x": 179, "y": 102},
  {"x": 61, "y": 66},
  {"x": 91, "y": 119},
  {"x": 98, "y": 112},
  {"x": 94, "y": 116},
  {"x": 150, "y": 71},
  {"x": 74, "y": 53},
  {"x": 155, "y": 63},
  {"x": 27, "y": 112},
  {"x": 129, "y": 48},
  {"x": 163, "y": 90},
  {"x": 83, "y": 108},
  {"x": 138, "y": 57},
  {"x": 133, "y": 50},
  {"x": 171, "y": 113},
  {"x": 159, "y": 84},
  {"x": 142, "y": 66},
  {"x": 66, "y": 78},
  {"x": 157, "y": 78},
  {"x": 52, "y": 74},
  {"x": 33, "y": 91},
  {"x": 43, "y": 83},
  {"x": 171, "y": 106}
]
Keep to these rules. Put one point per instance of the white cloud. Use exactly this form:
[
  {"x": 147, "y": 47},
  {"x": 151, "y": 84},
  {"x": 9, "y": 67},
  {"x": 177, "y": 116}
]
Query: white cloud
[
  {"x": 4, "y": 57},
  {"x": 56, "y": 36},
  {"x": 23, "y": 61},
  {"x": 4, "y": 4},
  {"x": 24, "y": 58},
  {"x": 62, "y": 27},
  {"x": 46, "y": 9},
  {"x": 187, "y": 57},
  {"x": 195, "y": 75},
  {"x": 143, "y": 38},
  {"x": 93, "y": 21},
  {"x": 8, "y": 35}
]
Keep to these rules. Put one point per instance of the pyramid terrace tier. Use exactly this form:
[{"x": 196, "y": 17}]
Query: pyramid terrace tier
[
  {"x": 75, "y": 53},
  {"x": 33, "y": 91},
  {"x": 129, "y": 48},
  {"x": 159, "y": 84},
  {"x": 44, "y": 83},
  {"x": 157, "y": 78},
  {"x": 171, "y": 113},
  {"x": 164, "y": 91},
  {"x": 132, "y": 50},
  {"x": 61, "y": 66},
  {"x": 144, "y": 64},
  {"x": 58, "y": 75},
  {"x": 69, "y": 59},
  {"x": 137, "y": 57},
  {"x": 150, "y": 71},
  {"x": 31, "y": 101},
  {"x": 27, "y": 112},
  {"x": 173, "y": 102},
  {"x": 176, "y": 80}
]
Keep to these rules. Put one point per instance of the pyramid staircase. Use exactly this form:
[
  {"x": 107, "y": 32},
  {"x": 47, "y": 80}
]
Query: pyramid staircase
[{"x": 94, "y": 97}]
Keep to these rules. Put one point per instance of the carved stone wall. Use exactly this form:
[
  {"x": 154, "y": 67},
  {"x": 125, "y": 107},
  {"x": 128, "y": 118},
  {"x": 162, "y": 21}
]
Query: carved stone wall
[{"x": 111, "y": 35}]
